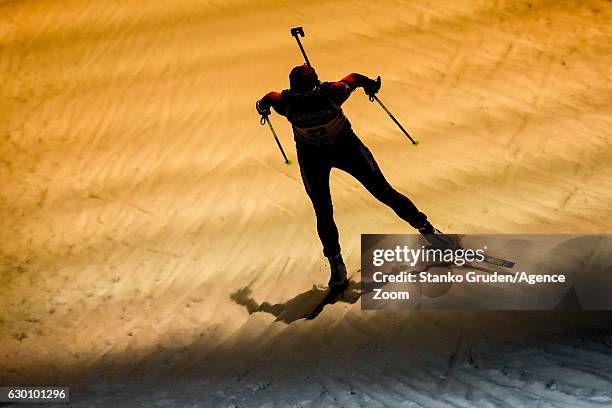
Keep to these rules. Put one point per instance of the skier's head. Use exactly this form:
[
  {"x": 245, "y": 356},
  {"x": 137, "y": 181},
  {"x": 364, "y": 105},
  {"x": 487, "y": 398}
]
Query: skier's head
[{"x": 303, "y": 79}]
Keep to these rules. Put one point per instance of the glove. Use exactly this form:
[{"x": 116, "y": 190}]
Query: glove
[
  {"x": 372, "y": 87},
  {"x": 263, "y": 111}
]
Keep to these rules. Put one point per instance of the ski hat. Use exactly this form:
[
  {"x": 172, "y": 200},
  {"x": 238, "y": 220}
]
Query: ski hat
[{"x": 303, "y": 79}]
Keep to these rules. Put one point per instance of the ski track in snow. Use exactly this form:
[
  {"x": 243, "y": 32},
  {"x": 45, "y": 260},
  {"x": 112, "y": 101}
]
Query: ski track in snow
[{"x": 559, "y": 372}]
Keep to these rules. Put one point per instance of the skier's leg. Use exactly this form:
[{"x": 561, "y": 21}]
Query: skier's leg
[
  {"x": 315, "y": 170},
  {"x": 315, "y": 176},
  {"x": 357, "y": 160}
]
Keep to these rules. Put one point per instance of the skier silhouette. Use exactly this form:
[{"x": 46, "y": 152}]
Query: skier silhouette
[{"x": 324, "y": 139}]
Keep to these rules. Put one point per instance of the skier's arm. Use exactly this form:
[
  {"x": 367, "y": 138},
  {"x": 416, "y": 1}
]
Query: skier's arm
[
  {"x": 370, "y": 86},
  {"x": 355, "y": 81},
  {"x": 349, "y": 83},
  {"x": 271, "y": 100}
]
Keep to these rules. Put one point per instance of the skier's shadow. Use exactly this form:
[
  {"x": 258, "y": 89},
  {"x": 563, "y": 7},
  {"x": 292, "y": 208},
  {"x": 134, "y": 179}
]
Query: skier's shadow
[{"x": 306, "y": 305}]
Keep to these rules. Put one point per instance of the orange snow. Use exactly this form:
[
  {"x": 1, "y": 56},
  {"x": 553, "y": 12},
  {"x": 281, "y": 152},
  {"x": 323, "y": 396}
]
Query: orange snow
[{"x": 138, "y": 190}]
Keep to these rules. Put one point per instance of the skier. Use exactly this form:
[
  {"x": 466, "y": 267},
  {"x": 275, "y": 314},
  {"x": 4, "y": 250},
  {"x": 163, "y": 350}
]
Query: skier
[{"x": 324, "y": 139}]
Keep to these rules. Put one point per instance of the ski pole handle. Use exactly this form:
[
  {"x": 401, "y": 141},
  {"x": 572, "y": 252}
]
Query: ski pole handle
[{"x": 373, "y": 97}]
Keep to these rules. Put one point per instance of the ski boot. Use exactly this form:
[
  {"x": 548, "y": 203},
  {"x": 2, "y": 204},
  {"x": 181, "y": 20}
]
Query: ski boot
[
  {"x": 338, "y": 280},
  {"x": 438, "y": 239}
]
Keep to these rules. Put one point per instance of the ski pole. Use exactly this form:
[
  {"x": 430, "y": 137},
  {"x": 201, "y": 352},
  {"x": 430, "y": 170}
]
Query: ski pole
[
  {"x": 296, "y": 32},
  {"x": 264, "y": 119},
  {"x": 373, "y": 97}
]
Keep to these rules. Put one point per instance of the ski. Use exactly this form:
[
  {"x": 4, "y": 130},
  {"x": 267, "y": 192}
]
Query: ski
[
  {"x": 348, "y": 293},
  {"x": 498, "y": 261},
  {"x": 330, "y": 297}
]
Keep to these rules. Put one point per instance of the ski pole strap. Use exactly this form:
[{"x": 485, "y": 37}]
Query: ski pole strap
[{"x": 263, "y": 119}]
